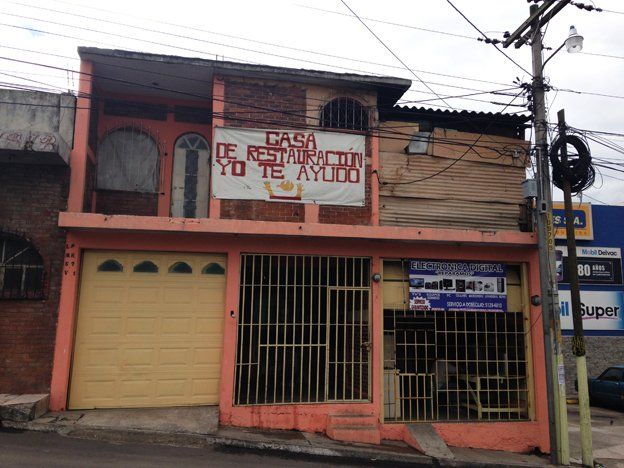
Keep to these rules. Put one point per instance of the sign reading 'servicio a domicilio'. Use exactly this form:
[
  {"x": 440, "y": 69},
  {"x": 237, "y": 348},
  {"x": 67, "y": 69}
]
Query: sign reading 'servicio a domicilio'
[
  {"x": 293, "y": 166},
  {"x": 440, "y": 285}
]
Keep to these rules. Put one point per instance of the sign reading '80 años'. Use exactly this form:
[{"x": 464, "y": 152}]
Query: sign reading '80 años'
[{"x": 583, "y": 225}]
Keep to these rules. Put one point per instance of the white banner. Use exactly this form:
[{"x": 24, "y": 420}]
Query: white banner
[{"x": 293, "y": 166}]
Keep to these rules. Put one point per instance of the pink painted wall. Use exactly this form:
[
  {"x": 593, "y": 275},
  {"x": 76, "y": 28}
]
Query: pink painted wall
[
  {"x": 166, "y": 133},
  {"x": 517, "y": 436}
]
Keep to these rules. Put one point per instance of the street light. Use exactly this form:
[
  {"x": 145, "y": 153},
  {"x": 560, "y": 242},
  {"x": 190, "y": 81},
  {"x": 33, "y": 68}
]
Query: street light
[{"x": 573, "y": 44}]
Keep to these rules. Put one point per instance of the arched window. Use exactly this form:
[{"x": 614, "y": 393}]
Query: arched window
[
  {"x": 21, "y": 269},
  {"x": 110, "y": 266},
  {"x": 213, "y": 269},
  {"x": 146, "y": 266},
  {"x": 180, "y": 267},
  {"x": 346, "y": 113},
  {"x": 191, "y": 172},
  {"x": 128, "y": 160}
]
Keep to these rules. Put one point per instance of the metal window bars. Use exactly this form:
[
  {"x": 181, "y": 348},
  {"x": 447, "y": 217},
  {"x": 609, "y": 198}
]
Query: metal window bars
[
  {"x": 454, "y": 365},
  {"x": 303, "y": 330},
  {"x": 345, "y": 113},
  {"x": 21, "y": 269}
]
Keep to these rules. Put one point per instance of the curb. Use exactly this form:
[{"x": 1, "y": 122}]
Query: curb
[{"x": 344, "y": 454}]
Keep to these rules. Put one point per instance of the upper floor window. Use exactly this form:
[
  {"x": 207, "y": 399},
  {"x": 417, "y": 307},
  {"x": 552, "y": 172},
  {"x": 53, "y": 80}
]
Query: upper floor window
[
  {"x": 21, "y": 269},
  {"x": 128, "y": 160},
  {"x": 191, "y": 171},
  {"x": 346, "y": 113}
]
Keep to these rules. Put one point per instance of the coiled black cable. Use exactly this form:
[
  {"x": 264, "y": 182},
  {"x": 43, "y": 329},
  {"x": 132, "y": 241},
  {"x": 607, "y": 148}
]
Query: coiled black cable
[{"x": 577, "y": 168}]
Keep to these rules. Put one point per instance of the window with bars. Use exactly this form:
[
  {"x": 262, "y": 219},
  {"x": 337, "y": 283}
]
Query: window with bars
[
  {"x": 345, "y": 113},
  {"x": 128, "y": 160},
  {"x": 453, "y": 365},
  {"x": 303, "y": 330},
  {"x": 21, "y": 269}
]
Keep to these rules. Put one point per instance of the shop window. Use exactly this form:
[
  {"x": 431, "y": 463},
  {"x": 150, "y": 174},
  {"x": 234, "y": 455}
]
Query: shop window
[
  {"x": 191, "y": 173},
  {"x": 303, "y": 330},
  {"x": 180, "y": 267},
  {"x": 213, "y": 269},
  {"x": 21, "y": 269},
  {"x": 145, "y": 266},
  {"x": 110, "y": 265},
  {"x": 345, "y": 113},
  {"x": 453, "y": 365},
  {"x": 128, "y": 161}
]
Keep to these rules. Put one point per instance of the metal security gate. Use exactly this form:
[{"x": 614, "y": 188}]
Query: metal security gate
[
  {"x": 454, "y": 365},
  {"x": 303, "y": 329}
]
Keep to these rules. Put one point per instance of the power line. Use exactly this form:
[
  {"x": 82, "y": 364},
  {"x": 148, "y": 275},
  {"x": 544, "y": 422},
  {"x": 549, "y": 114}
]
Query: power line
[
  {"x": 393, "y": 54},
  {"x": 435, "y": 31},
  {"x": 180, "y": 47},
  {"x": 603, "y": 55},
  {"x": 205, "y": 53},
  {"x": 422, "y": 179},
  {"x": 187, "y": 27},
  {"x": 219, "y": 34},
  {"x": 487, "y": 38}
]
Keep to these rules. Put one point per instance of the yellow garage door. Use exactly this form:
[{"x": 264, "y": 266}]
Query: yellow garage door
[{"x": 149, "y": 330}]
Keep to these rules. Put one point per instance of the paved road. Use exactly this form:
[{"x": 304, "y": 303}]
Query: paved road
[
  {"x": 38, "y": 449},
  {"x": 607, "y": 432}
]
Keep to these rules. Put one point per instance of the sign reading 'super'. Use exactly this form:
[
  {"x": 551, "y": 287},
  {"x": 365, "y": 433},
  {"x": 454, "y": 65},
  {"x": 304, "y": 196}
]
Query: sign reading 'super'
[{"x": 294, "y": 166}]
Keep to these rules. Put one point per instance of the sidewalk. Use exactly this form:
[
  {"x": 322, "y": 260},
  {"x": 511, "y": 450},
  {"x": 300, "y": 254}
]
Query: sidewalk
[{"x": 198, "y": 427}]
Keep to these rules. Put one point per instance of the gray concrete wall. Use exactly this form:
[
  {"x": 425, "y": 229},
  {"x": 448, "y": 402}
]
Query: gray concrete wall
[
  {"x": 36, "y": 111},
  {"x": 602, "y": 352}
]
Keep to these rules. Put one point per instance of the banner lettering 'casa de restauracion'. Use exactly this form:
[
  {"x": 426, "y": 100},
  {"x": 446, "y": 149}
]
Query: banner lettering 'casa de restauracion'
[{"x": 293, "y": 166}]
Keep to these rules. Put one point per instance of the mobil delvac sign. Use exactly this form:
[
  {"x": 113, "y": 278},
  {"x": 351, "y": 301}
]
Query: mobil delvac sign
[
  {"x": 440, "y": 285},
  {"x": 596, "y": 265},
  {"x": 294, "y": 166},
  {"x": 600, "y": 310}
]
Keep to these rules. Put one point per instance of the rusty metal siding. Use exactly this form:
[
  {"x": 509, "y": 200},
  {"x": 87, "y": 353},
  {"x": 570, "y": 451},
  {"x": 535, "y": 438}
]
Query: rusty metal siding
[{"x": 482, "y": 191}]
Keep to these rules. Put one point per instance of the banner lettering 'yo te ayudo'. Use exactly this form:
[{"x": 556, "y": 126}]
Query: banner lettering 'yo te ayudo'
[{"x": 283, "y": 165}]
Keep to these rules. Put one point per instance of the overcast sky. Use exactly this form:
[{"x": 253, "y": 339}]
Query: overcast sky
[{"x": 268, "y": 31}]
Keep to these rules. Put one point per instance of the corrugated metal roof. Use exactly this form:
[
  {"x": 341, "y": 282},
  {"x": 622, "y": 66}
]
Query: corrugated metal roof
[{"x": 511, "y": 125}]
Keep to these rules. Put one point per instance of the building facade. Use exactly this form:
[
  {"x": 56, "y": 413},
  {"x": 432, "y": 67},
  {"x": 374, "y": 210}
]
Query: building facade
[
  {"x": 293, "y": 247},
  {"x": 599, "y": 250},
  {"x": 36, "y": 132}
]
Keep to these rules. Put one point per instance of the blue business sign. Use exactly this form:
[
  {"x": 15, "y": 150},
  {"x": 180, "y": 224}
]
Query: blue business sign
[
  {"x": 440, "y": 285},
  {"x": 602, "y": 311}
]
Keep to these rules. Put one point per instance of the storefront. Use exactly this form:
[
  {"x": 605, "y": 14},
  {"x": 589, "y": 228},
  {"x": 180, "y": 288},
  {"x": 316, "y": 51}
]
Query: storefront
[{"x": 600, "y": 242}]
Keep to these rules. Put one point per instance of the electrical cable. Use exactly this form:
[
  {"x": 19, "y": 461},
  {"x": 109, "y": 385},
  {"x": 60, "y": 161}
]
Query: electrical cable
[
  {"x": 575, "y": 169},
  {"x": 261, "y": 108},
  {"x": 186, "y": 27},
  {"x": 189, "y": 49},
  {"x": 392, "y": 52},
  {"x": 488, "y": 40},
  {"x": 407, "y": 91},
  {"x": 447, "y": 167},
  {"x": 390, "y": 23}
]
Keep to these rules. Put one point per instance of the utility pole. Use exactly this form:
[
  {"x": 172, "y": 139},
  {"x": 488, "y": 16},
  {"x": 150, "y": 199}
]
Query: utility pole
[
  {"x": 530, "y": 30},
  {"x": 578, "y": 341}
]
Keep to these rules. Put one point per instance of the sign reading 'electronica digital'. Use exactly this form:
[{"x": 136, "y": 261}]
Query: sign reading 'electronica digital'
[{"x": 439, "y": 285}]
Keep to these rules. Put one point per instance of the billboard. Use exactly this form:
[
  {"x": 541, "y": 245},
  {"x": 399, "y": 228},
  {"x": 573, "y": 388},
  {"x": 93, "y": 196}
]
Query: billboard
[
  {"x": 596, "y": 265},
  {"x": 600, "y": 310},
  {"x": 325, "y": 168},
  {"x": 440, "y": 285},
  {"x": 583, "y": 223}
]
